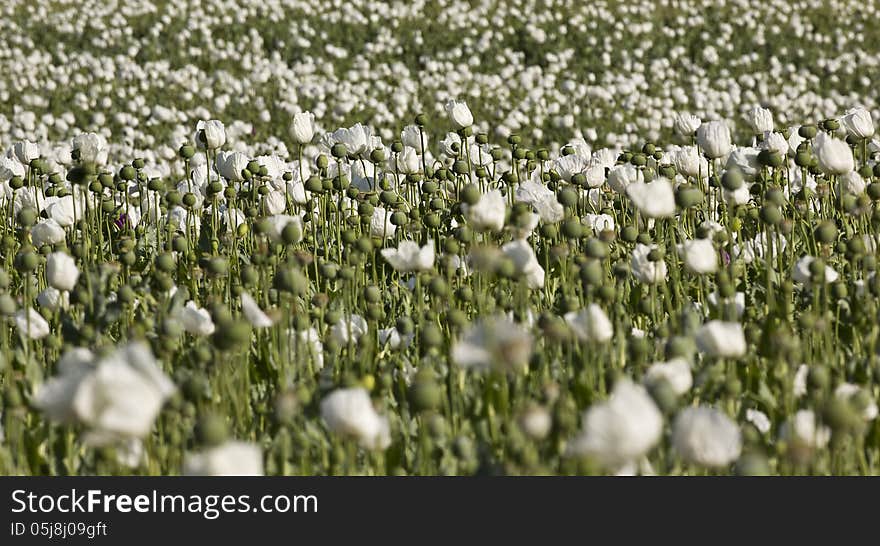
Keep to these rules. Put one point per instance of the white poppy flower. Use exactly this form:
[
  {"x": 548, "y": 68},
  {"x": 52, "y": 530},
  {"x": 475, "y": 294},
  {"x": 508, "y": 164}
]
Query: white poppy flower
[
  {"x": 349, "y": 328},
  {"x": 380, "y": 224},
  {"x": 91, "y": 148},
  {"x": 210, "y": 134},
  {"x": 116, "y": 397},
  {"x": 599, "y": 222},
  {"x": 722, "y": 339},
  {"x": 542, "y": 199},
  {"x": 643, "y": 269},
  {"x": 61, "y": 271},
  {"x": 493, "y": 343},
  {"x": 686, "y": 124},
  {"x": 408, "y": 256},
  {"x": 196, "y": 320},
  {"x": 858, "y": 123},
  {"x": 759, "y": 419},
  {"x": 621, "y": 176},
  {"x": 706, "y": 437},
  {"x": 713, "y": 137},
  {"x": 760, "y": 120},
  {"x": 676, "y": 372},
  {"x": 801, "y": 272},
  {"x": 47, "y": 232},
  {"x": 253, "y": 313},
  {"x": 621, "y": 429},
  {"x": 834, "y": 155},
  {"x": 699, "y": 255},
  {"x": 302, "y": 128},
  {"x": 655, "y": 199},
  {"x": 525, "y": 262},
  {"x": 231, "y": 458},
  {"x": 31, "y": 324},
  {"x": 488, "y": 213},
  {"x": 459, "y": 114},
  {"x": 804, "y": 430},
  {"x": 590, "y": 324},
  {"x": 350, "y": 412}
]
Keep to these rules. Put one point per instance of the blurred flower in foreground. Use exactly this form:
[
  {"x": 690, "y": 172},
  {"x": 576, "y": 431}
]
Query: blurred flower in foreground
[
  {"x": 590, "y": 324},
  {"x": 31, "y": 324},
  {"x": 228, "y": 459},
  {"x": 494, "y": 343},
  {"x": 350, "y": 412},
  {"x": 115, "y": 397},
  {"x": 706, "y": 436},
  {"x": 621, "y": 429},
  {"x": 721, "y": 339},
  {"x": 676, "y": 372}
]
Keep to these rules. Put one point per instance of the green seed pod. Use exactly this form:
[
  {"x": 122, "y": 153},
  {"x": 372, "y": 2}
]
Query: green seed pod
[
  {"x": 752, "y": 464},
  {"x": 425, "y": 394},
  {"x": 808, "y": 131},
  {"x": 438, "y": 287},
  {"x": 505, "y": 268},
  {"x": 465, "y": 294},
  {"x": 212, "y": 430},
  {"x": 596, "y": 249},
  {"x": 826, "y": 232},
  {"x": 855, "y": 247},
  {"x": 592, "y": 273},
  {"x": 817, "y": 268},
  {"x": 621, "y": 270},
  {"x": 841, "y": 416},
  {"x": 664, "y": 396},
  {"x": 433, "y": 220},
  {"x": 549, "y": 231},
  {"x": 771, "y": 215},
  {"x": 567, "y": 197},
  {"x": 629, "y": 234},
  {"x": 770, "y": 158},
  {"x": 464, "y": 234},
  {"x": 803, "y": 159},
  {"x": 165, "y": 263},
  {"x": 732, "y": 179},
  {"x": 656, "y": 254},
  {"x": 831, "y": 125},
  {"x": 339, "y": 151},
  {"x": 688, "y": 196},
  {"x": 27, "y": 217},
  {"x": 572, "y": 228},
  {"x": 28, "y": 261},
  {"x": 430, "y": 335},
  {"x": 667, "y": 171},
  {"x": 7, "y": 305},
  {"x": 680, "y": 347}
]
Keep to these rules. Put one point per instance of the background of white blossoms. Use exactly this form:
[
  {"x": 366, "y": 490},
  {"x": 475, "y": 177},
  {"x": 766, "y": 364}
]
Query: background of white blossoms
[
  {"x": 602, "y": 260},
  {"x": 612, "y": 72}
]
